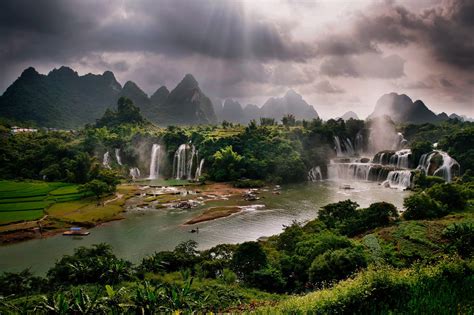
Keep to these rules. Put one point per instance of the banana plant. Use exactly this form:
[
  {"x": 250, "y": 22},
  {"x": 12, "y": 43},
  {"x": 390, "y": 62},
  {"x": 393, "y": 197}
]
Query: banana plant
[{"x": 57, "y": 304}]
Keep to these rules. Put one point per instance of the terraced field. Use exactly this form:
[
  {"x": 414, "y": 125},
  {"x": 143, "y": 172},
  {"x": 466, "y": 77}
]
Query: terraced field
[{"x": 25, "y": 201}]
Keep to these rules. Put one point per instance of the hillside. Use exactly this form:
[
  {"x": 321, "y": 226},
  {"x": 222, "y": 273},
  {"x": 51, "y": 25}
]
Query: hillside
[
  {"x": 64, "y": 99},
  {"x": 60, "y": 99},
  {"x": 402, "y": 109}
]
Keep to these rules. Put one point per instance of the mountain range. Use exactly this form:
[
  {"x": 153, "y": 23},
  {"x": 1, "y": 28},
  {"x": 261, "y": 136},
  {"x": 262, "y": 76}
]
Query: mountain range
[
  {"x": 63, "y": 99},
  {"x": 275, "y": 107},
  {"x": 401, "y": 108}
]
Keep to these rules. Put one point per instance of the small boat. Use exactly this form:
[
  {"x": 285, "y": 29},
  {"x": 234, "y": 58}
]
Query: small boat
[{"x": 76, "y": 231}]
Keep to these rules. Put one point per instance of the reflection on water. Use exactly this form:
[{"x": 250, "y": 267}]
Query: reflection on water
[{"x": 144, "y": 232}]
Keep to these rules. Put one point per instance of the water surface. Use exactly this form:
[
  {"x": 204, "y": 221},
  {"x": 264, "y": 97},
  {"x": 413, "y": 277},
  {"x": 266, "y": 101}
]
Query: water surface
[{"x": 144, "y": 232}]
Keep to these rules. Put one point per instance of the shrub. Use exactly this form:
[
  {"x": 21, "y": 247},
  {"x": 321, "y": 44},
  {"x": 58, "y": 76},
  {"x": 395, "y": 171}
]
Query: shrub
[
  {"x": 461, "y": 238},
  {"x": 377, "y": 214},
  {"x": 20, "y": 283},
  {"x": 249, "y": 183},
  {"x": 421, "y": 206},
  {"x": 268, "y": 279},
  {"x": 337, "y": 264},
  {"x": 90, "y": 265},
  {"x": 450, "y": 195}
]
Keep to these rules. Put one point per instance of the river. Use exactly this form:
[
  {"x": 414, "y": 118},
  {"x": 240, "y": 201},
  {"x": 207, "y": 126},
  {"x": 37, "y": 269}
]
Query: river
[{"x": 144, "y": 232}]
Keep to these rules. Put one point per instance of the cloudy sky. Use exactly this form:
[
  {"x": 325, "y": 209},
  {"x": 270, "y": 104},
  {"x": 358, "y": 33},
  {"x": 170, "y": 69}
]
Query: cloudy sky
[{"x": 339, "y": 54}]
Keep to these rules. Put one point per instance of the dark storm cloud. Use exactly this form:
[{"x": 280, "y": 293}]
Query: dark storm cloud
[{"x": 212, "y": 28}]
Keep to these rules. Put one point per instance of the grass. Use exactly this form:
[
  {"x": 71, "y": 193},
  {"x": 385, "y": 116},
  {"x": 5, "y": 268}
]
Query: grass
[
  {"x": 27, "y": 200},
  {"x": 15, "y": 216},
  {"x": 24, "y": 206},
  {"x": 446, "y": 288},
  {"x": 85, "y": 211}
]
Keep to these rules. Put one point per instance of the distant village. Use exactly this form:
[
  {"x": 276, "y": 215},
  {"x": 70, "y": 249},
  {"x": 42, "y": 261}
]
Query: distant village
[{"x": 16, "y": 130}]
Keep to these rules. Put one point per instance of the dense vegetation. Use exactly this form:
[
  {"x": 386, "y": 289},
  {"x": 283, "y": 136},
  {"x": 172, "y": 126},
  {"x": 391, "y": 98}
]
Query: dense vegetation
[
  {"x": 270, "y": 152},
  {"x": 349, "y": 259}
]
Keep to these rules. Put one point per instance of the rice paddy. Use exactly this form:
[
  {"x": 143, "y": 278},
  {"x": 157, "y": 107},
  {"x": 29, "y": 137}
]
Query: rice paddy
[{"x": 25, "y": 201}]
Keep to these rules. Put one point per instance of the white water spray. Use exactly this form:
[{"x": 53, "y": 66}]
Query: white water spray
[
  {"x": 199, "y": 170},
  {"x": 106, "y": 160},
  {"x": 117, "y": 156},
  {"x": 183, "y": 161},
  {"x": 445, "y": 170},
  {"x": 155, "y": 161},
  {"x": 135, "y": 173},
  {"x": 398, "y": 179}
]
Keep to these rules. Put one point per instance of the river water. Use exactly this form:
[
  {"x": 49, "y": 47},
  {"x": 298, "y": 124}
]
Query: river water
[{"x": 144, "y": 232}]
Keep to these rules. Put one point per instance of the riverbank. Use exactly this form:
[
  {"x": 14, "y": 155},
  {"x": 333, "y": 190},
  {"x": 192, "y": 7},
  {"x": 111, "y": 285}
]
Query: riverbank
[{"x": 59, "y": 217}]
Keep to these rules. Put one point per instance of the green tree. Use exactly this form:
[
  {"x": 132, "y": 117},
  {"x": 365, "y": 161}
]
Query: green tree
[
  {"x": 247, "y": 258},
  {"x": 337, "y": 264},
  {"x": 226, "y": 165},
  {"x": 335, "y": 213},
  {"x": 97, "y": 187},
  {"x": 452, "y": 196},
  {"x": 421, "y": 206}
]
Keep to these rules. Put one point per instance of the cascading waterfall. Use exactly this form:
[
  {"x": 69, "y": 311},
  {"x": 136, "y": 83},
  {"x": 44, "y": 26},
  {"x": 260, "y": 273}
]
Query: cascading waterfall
[
  {"x": 338, "y": 146},
  {"x": 391, "y": 167},
  {"x": 445, "y": 170},
  {"x": 199, "y": 170},
  {"x": 398, "y": 179},
  {"x": 135, "y": 173},
  {"x": 349, "y": 171},
  {"x": 190, "y": 162},
  {"x": 183, "y": 161},
  {"x": 117, "y": 156},
  {"x": 315, "y": 174},
  {"x": 349, "y": 147},
  {"x": 401, "y": 158},
  {"x": 344, "y": 148},
  {"x": 155, "y": 161},
  {"x": 106, "y": 160}
]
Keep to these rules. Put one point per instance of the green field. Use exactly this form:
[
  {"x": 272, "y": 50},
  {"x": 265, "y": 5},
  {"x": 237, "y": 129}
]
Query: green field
[{"x": 25, "y": 201}]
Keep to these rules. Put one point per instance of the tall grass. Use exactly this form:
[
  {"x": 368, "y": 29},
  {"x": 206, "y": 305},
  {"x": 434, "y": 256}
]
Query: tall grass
[{"x": 446, "y": 288}]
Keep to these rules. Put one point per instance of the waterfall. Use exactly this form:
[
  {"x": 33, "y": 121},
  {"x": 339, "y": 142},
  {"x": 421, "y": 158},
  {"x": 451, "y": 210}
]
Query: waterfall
[
  {"x": 155, "y": 161},
  {"x": 314, "y": 174},
  {"x": 199, "y": 170},
  {"x": 401, "y": 158},
  {"x": 349, "y": 171},
  {"x": 445, "y": 170},
  {"x": 183, "y": 161},
  {"x": 190, "y": 162},
  {"x": 338, "y": 146},
  {"x": 344, "y": 148},
  {"x": 398, "y": 179},
  {"x": 106, "y": 160},
  {"x": 135, "y": 173},
  {"x": 117, "y": 156}
]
